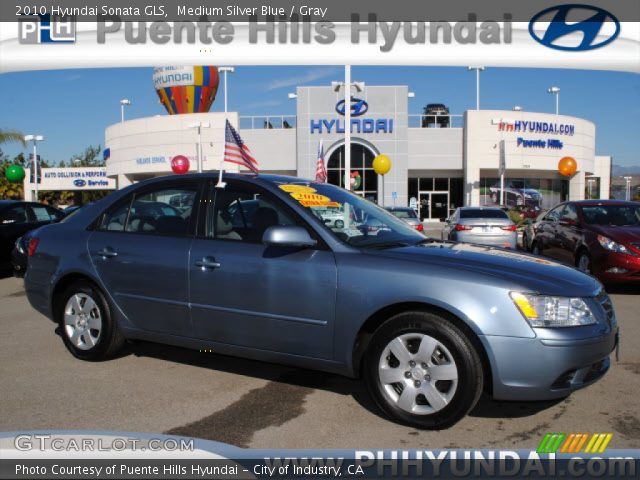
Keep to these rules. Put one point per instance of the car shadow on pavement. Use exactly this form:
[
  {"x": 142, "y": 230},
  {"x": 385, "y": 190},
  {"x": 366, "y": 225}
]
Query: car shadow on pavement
[
  {"x": 487, "y": 407},
  {"x": 623, "y": 289}
]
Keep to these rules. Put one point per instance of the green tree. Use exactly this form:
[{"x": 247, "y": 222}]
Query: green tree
[
  {"x": 9, "y": 190},
  {"x": 11, "y": 136}
]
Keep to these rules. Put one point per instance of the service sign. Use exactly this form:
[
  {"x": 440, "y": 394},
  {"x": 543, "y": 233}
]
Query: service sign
[{"x": 78, "y": 178}]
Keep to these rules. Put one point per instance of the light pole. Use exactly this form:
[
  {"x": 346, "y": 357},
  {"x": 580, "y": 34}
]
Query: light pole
[
  {"x": 199, "y": 126},
  {"x": 502, "y": 154},
  {"x": 35, "y": 139},
  {"x": 226, "y": 70},
  {"x": 517, "y": 108},
  {"x": 590, "y": 182},
  {"x": 124, "y": 102},
  {"x": 347, "y": 84},
  {"x": 628, "y": 188},
  {"x": 478, "y": 70},
  {"x": 555, "y": 91}
]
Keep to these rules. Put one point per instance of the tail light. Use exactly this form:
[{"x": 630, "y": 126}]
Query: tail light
[
  {"x": 33, "y": 245},
  {"x": 460, "y": 227},
  {"x": 419, "y": 227},
  {"x": 509, "y": 228}
]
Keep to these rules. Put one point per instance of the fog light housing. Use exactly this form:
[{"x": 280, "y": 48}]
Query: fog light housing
[{"x": 618, "y": 270}]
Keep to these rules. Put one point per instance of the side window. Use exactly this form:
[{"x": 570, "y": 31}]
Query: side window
[
  {"x": 55, "y": 214},
  {"x": 554, "y": 215},
  {"x": 14, "y": 215},
  {"x": 41, "y": 213},
  {"x": 243, "y": 214},
  {"x": 570, "y": 212},
  {"x": 115, "y": 218},
  {"x": 166, "y": 211}
]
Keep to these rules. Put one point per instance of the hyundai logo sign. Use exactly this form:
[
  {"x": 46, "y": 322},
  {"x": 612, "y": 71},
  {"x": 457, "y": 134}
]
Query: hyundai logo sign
[
  {"x": 358, "y": 107},
  {"x": 79, "y": 182},
  {"x": 577, "y": 33}
]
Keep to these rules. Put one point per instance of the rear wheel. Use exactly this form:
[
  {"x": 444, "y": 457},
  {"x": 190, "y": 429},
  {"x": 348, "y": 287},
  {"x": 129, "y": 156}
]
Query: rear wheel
[
  {"x": 88, "y": 329},
  {"x": 423, "y": 371},
  {"x": 339, "y": 224}
]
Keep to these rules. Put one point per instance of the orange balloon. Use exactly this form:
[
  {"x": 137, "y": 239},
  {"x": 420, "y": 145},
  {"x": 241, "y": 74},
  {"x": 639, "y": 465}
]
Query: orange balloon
[{"x": 567, "y": 166}]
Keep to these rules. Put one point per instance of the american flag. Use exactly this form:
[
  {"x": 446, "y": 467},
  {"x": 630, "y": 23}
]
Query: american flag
[
  {"x": 321, "y": 171},
  {"x": 235, "y": 151}
]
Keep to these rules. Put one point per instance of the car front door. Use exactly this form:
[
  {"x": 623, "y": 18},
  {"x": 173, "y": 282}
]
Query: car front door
[
  {"x": 546, "y": 234},
  {"x": 569, "y": 233},
  {"x": 140, "y": 251},
  {"x": 246, "y": 294}
]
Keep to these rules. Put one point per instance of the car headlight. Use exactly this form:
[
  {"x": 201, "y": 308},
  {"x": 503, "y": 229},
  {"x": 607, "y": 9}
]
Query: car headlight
[
  {"x": 548, "y": 311},
  {"x": 612, "y": 246}
]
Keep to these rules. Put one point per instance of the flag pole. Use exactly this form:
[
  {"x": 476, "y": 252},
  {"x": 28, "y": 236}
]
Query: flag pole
[{"x": 220, "y": 183}]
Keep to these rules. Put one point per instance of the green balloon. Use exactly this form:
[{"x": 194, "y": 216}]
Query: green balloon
[{"x": 15, "y": 173}]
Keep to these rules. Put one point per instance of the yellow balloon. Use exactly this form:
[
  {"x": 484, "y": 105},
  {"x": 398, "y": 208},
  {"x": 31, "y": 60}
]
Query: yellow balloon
[{"x": 382, "y": 164}]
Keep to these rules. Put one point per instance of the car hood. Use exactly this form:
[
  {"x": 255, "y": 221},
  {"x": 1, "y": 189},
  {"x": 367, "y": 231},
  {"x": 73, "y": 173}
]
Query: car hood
[
  {"x": 505, "y": 267},
  {"x": 624, "y": 235}
]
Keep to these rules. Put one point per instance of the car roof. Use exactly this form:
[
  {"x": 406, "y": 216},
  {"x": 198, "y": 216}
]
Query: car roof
[
  {"x": 481, "y": 208},
  {"x": 595, "y": 203}
]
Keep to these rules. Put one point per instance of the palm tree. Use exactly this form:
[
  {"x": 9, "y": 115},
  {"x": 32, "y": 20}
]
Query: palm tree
[{"x": 11, "y": 136}]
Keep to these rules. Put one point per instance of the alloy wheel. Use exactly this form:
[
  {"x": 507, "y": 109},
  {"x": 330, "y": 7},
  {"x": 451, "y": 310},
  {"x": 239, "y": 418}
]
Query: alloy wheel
[{"x": 82, "y": 321}]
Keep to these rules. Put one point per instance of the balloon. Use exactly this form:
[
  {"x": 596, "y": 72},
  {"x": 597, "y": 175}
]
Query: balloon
[
  {"x": 14, "y": 173},
  {"x": 567, "y": 166},
  {"x": 180, "y": 164},
  {"x": 186, "y": 89},
  {"x": 382, "y": 164}
]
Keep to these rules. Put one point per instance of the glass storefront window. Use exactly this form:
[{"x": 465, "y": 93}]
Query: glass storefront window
[{"x": 538, "y": 193}]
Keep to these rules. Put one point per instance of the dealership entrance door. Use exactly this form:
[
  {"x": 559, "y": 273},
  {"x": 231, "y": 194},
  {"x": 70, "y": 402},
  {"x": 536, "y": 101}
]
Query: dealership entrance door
[{"x": 433, "y": 205}]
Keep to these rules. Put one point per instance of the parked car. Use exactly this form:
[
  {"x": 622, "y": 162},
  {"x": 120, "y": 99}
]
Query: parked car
[
  {"x": 332, "y": 217},
  {"x": 600, "y": 237},
  {"x": 16, "y": 219},
  {"x": 529, "y": 232},
  {"x": 408, "y": 215},
  {"x": 481, "y": 225},
  {"x": 429, "y": 324},
  {"x": 516, "y": 193},
  {"x": 527, "y": 211}
]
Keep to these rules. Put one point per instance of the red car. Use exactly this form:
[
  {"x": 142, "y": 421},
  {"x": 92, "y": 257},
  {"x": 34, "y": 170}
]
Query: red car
[{"x": 600, "y": 237}]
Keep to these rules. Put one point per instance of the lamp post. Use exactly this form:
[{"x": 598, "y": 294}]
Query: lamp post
[
  {"x": 347, "y": 84},
  {"x": 199, "y": 126},
  {"x": 628, "y": 188},
  {"x": 517, "y": 108},
  {"x": 124, "y": 102},
  {"x": 226, "y": 70},
  {"x": 502, "y": 155},
  {"x": 35, "y": 139},
  {"x": 590, "y": 182},
  {"x": 478, "y": 70},
  {"x": 555, "y": 91}
]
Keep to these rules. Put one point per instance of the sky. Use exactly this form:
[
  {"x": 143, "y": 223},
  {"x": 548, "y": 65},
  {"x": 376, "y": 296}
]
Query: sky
[{"x": 71, "y": 108}]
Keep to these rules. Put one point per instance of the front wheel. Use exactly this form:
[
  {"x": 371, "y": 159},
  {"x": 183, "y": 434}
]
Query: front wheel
[
  {"x": 88, "y": 329},
  {"x": 339, "y": 224},
  {"x": 423, "y": 371}
]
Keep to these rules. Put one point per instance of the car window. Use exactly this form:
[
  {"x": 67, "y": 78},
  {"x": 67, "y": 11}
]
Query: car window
[
  {"x": 42, "y": 213},
  {"x": 482, "y": 213},
  {"x": 404, "y": 213},
  {"x": 617, "y": 215},
  {"x": 554, "y": 215},
  {"x": 243, "y": 213},
  {"x": 114, "y": 219},
  {"x": 55, "y": 214},
  {"x": 14, "y": 215},
  {"x": 570, "y": 212}
]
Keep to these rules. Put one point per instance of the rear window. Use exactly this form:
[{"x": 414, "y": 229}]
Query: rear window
[
  {"x": 404, "y": 213},
  {"x": 481, "y": 213}
]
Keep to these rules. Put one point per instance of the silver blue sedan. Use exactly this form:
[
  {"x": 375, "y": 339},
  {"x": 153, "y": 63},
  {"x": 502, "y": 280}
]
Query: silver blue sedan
[
  {"x": 253, "y": 270},
  {"x": 481, "y": 225}
]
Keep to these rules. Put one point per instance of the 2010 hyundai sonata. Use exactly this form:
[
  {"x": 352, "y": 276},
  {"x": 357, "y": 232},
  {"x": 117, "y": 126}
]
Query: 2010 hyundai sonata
[{"x": 254, "y": 270}]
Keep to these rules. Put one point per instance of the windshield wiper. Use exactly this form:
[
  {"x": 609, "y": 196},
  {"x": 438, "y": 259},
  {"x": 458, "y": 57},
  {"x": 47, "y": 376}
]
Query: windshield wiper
[{"x": 383, "y": 245}]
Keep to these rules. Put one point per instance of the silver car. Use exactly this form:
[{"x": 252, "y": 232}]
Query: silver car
[
  {"x": 481, "y": 225},
  {"x": 252, "y": 270},
  {"x": 407, "y": 215}
]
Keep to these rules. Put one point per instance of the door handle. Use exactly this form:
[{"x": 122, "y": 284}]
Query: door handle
[
  {"x": 107, "y": 253},
  {"x": 207, "y": 262}
]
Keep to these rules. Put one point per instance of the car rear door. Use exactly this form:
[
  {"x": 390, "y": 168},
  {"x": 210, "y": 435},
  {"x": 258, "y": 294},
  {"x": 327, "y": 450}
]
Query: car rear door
[
  {"x": 143, "y": 259},
  {"x": 245, "y": 294}
]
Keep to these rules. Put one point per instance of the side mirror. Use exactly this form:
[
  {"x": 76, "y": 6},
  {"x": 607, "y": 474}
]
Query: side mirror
[{"x": 287, "y": 236}]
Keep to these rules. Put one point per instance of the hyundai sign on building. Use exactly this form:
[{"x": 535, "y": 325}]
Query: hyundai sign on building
[{"x": 439, "y": 161}]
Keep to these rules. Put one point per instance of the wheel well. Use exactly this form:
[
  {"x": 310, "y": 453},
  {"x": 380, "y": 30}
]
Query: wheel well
[
  {"x": 580, "y": 249},
  {"x": 63, "y": 284},
  {"x": 377, "y": 319}
]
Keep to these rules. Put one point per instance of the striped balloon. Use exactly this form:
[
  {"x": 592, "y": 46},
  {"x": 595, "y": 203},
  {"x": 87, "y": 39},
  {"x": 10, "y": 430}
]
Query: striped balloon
[{"x": 186, "y": 89}]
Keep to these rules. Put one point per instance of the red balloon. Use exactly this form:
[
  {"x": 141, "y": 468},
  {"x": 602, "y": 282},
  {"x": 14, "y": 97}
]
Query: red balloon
[
  {"x": 180, "y": 164},
  {"x": 567, "y": 166}
]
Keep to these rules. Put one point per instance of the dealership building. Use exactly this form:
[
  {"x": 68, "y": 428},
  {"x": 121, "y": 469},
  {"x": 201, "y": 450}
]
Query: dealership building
[{"x": 439, "y": 162}]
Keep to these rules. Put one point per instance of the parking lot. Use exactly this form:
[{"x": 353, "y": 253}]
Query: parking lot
[{"x": 154, "y": 388}]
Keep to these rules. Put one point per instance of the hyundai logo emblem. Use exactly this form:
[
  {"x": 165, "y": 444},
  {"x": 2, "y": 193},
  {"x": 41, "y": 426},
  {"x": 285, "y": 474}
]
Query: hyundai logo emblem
[
  {"x": 358, "y": 107},
  {"x": 586, "y": 27},
  {"x": 79, "y": 182}
]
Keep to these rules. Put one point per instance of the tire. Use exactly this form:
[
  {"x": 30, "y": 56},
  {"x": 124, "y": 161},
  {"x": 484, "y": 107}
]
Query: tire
[
  {"x": 338, "y": 224},
  {"x": 87, "y": 326},
  {"x": 399, "y": 375},
  {"x": 583, "y": 262}
]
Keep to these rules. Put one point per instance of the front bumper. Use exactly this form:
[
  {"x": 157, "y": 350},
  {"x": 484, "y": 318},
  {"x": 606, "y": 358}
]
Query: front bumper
[
  {"x": 612, "y": 267},
  {"x": 544, "y": 369}
]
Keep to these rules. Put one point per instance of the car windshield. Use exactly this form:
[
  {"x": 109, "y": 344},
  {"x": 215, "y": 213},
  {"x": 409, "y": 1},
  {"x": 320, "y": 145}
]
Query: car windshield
[
  {"x": 404, "y": 213},
  {"x": 350, "y": 218},
  {"x": 616, "y": 215},
  {"x": 482, "y": 213}
]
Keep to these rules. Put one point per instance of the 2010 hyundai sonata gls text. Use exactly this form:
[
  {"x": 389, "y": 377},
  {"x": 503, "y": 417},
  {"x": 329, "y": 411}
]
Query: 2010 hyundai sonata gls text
[{"x": 254, "y": 270}]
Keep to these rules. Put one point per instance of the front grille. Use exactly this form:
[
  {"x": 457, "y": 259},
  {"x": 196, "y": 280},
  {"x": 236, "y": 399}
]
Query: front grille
[{"x": 605, "y": 302}]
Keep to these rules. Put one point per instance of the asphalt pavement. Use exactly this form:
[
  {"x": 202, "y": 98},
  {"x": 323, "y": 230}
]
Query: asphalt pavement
[{"x": 159, "y": 389}]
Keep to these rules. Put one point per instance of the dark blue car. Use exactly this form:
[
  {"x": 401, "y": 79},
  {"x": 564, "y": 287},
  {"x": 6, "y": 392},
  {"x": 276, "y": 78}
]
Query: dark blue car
[{"x": 253, "y": 270}]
